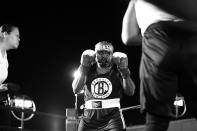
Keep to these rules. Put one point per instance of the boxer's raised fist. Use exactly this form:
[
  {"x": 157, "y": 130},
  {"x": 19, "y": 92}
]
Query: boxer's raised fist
[
  {"x": 120, "y": 59},
  {"x": 87, "y": 57}
]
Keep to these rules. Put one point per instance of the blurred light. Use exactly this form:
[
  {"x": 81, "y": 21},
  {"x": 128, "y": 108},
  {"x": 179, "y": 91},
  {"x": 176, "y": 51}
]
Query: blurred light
[
  {"x": 178, "y": 102},
  {"x": 82, "y": 91},
  {"x": 76, "y": 73},
  {"x": 21, "y": 103},
  {"x": 55, "y": 124},
  {"x": 180, "y": 106},
  {"x": 82, "y": 106}
]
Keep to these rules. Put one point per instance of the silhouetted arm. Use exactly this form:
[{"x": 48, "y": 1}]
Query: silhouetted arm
[
  {"x": 130, "y": 30},
  {"x": 185, "y": 9}
]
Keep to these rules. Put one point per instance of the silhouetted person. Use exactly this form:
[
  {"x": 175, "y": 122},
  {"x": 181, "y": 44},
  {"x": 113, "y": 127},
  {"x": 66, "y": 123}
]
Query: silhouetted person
[
  {"x": 9, "y": 39},
  {"x": 169, "y": 48}
]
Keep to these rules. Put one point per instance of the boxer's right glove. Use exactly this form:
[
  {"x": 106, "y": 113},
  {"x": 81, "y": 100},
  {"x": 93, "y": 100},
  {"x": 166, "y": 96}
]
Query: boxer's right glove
[{"x": 87, "y": 59}]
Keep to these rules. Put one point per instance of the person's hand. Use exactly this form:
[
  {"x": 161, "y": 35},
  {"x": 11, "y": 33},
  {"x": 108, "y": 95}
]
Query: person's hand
[
  {"x": 120, "y": 59},
  {"x": 87, "y": 58},
  {"x": 3, "y": 87}
]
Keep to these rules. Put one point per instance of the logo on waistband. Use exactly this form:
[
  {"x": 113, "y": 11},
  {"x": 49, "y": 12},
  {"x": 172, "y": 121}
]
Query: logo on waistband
[
  {"x": 101, "y": 88},
  {"x": 96, "y": 104}
]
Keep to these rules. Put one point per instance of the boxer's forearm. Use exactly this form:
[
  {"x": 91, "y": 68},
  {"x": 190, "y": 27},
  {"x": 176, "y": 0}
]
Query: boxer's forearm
[{"x": 128, "y": 86}]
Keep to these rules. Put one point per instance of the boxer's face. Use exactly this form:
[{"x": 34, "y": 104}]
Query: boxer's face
[{"x": 104, "y": 58}]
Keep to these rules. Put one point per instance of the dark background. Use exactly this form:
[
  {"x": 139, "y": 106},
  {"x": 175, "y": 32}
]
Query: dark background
[{"x": 53, "y": 35}]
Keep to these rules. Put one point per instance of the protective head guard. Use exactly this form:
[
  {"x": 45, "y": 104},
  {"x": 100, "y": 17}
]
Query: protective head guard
[{"x": 104, "y": 52}]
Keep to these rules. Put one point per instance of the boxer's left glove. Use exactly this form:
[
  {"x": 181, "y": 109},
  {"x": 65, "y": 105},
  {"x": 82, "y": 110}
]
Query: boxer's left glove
[{"x": 121, "y": 60}]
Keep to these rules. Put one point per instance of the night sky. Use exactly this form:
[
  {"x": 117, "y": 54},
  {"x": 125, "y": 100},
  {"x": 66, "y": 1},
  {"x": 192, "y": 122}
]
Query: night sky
[{"x": 53, "y": 35}]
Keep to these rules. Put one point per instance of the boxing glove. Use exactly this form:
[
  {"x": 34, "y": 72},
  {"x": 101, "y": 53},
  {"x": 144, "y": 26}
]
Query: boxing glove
[
  {"x": 121, "y": 60},
  {"x": 87, "y": 58}
]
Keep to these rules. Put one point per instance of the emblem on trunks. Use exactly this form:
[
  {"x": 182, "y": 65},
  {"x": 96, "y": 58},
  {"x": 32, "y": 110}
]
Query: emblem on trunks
[
  {"x": 96, "y": 104},
  {"x": 101, "y": 88}
]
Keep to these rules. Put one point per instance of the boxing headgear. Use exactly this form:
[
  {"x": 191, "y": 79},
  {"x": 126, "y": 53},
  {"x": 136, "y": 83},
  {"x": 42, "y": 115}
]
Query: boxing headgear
[
  {"x": 104, "y": 46},
  {"x": 102, "y": 59}
]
